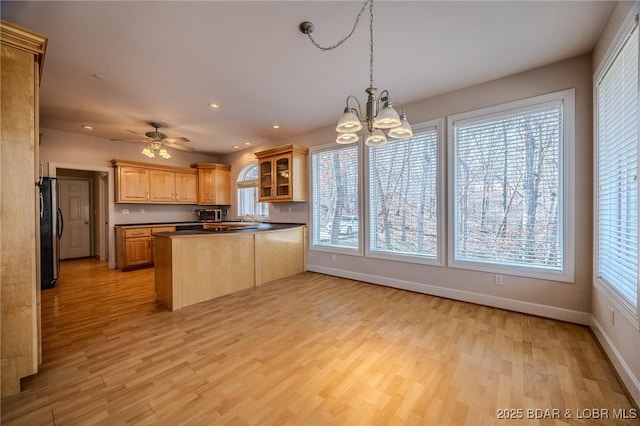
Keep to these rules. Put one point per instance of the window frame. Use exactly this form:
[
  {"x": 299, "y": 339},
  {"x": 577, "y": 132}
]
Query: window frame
[
  {"x": 312, "y": 200},
  {"x": 440, "y": 202},
  {"x": 624, "y": 32},
  {"x": 567, "y": 183},
  {"x": 242, "y": 184}
]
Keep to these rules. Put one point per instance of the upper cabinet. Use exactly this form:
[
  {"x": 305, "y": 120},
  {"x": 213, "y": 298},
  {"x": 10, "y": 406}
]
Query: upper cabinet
[
  {"x": 154, "y": 184},
  {"x": 282, "y": 174},
  {"x": 214, "y": 183}
]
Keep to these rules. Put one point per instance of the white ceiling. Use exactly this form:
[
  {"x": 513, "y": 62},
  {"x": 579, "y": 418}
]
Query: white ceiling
[{"x": 165, "y": 61}]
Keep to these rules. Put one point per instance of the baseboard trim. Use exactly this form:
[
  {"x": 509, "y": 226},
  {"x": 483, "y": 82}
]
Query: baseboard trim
[
  {"x": 622, "y": 368},
  {"x": 546, "y": 311}
]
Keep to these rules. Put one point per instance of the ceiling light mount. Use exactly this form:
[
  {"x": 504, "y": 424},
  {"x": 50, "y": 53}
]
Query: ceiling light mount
[{"x": 376, "y": 118}]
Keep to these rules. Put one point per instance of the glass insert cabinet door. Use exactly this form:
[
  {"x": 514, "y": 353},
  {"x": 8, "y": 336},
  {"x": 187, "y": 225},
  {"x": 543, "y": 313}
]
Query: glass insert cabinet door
[
  {"x": 283, "y": 175},
  {"x": 266, "y": 179}
]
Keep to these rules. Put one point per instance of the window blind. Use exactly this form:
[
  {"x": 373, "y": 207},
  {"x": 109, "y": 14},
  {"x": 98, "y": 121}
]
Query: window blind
[
  {"x": 508, "y": 197},
  {"x": 334, "y": 174},
  {"x": 617, "y": 174},
  {"x": 403, "y": 196}
]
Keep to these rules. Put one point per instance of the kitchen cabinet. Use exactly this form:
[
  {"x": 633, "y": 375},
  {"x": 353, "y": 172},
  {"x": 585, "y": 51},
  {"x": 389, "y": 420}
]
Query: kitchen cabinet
[
  {"x": 22, "y": 56},
  {"x": 154, "y": 184},
  {"x": 170, "y": 187},
  {"x": 214, "y": 184},
  {"x": 282, "y": 174},
  {"x": 134, "y": 245},
  {"x": 132, "y": 185}
]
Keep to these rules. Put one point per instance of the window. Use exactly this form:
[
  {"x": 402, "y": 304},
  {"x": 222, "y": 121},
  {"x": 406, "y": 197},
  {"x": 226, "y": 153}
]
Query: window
[
  {"x": 403, "y": 197},
  {"x": 247, "y": 185},
  {"x": 616, "y": 237},
  {"x": 335, "y": 206},
  {"x": 512, "y": 188}
]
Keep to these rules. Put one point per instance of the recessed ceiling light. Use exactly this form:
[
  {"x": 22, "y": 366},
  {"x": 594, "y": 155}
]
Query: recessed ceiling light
[
  {"x": 275, "y": 126},
  {"x": 247, "y": 143},
  {"x": 98, "y": 76},
  {"x": 214, "y": 106},
  {"x": 236, "y": 147},
  {"x": 86, "y": 126}
]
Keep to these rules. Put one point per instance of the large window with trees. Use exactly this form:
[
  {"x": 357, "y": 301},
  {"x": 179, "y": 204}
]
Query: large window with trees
[
  {"x": 512, "y": 188},
  {"x": 404, "y": 197},
  {"x": 335, "y": 198},
  {"x": 616, "y": 186}
]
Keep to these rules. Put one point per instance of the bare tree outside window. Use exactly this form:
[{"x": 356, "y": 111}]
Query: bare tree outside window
[
  {"x": 335, "y": 197},
  {"x": 508, "y": 188}
]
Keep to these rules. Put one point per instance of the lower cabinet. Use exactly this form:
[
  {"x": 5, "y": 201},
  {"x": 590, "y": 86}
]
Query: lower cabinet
[{"x": 134, "y": 246}]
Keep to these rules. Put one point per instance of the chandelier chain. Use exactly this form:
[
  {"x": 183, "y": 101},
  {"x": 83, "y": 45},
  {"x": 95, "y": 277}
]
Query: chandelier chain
[
  {"x": 348, "y": 36},
  {"x": 370, "y": 43}
]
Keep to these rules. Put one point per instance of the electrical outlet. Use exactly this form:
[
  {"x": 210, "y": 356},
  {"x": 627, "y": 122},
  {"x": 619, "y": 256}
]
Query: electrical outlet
[
  {"x": 141, "y": 211},
  {"x": 333, "y": 257},
  {"x": 125, "y": 211},
  {"x": 289, "y": 209},
  {"x": 613, "y": 316},
  {"x": 499, "y": 279},
  {"x": 277, "y": 209}
]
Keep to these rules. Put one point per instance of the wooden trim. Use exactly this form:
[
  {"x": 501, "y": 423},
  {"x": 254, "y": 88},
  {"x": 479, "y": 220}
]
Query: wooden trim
[
  {"x": 215, "y": 166},
  {"x": 24, "y": 39},
  {"x": 150, "y": 166},
  {"x": 281, "y": 150}
]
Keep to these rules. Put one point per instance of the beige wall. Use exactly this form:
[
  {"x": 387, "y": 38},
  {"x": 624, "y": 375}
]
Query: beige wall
[
  {"x": 77, "y": 149},
  {"x": 569, "y": 301},
  {"x": 620, "y": 338}
]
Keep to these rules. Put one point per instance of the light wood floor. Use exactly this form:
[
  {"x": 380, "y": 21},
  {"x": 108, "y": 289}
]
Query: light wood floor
[{"x": 308, "y": 350}]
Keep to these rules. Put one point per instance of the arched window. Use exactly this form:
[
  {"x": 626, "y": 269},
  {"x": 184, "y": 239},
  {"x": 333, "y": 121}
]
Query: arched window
[{"x": 248, "y": 205}]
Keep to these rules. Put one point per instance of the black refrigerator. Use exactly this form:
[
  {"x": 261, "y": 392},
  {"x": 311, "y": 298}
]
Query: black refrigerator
[{"x": 51, "y": 226}]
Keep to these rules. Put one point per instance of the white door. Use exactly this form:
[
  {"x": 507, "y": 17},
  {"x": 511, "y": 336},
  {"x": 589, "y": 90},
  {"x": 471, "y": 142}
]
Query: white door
[{"x": 74, "y": 205}]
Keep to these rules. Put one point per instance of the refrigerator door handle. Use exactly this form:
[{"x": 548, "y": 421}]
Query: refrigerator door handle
[
  {"x": 41, "y": 205},
  {"x": 60, "y": 224}
]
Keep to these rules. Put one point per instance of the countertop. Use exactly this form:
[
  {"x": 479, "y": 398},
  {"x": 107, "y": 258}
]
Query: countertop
[{"x": 247, "y": 227}]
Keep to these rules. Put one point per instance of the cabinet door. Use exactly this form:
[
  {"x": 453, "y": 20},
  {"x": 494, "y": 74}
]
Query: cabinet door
[
  {"x": 137, "y": 251},
  {"x": 222, "y": 187},
  {"x": 133, "y": 184},
  {"x": 186, "y": 187},
  {"x": 282, "y": 179},
  {"x": 206, "y": 182},
  {"x": 265, "y": 179},
  {"x": 161, "y": 186}
]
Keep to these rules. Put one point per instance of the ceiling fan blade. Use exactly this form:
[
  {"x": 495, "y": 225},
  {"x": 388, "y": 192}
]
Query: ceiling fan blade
[
  {"x": 178, "y": 140},
  {"x": 132, "y": 140},
  {"x": 179, "y": 147},
  {"x": 136, "y": 133}
]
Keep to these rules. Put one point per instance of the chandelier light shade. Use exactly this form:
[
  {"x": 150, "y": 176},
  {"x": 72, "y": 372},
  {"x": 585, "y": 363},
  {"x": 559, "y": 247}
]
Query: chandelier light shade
[{"x": 377, "y": 119}]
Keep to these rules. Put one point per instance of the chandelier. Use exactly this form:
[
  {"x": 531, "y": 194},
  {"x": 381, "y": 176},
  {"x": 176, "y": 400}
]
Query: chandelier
[
  {"x": 377, "y": 119},
  {"x": 156, "y": 147}
]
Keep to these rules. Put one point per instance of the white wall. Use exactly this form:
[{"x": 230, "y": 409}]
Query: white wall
[
  {"x": 567, "y": 301},
  {"x": 620, "y": 338}
]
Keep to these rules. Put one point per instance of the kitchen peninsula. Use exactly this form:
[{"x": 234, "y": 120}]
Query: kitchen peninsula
[{"x": 197, "y": 265}]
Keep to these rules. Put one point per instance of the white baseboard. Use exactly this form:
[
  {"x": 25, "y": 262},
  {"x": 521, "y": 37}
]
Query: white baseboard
[
  {"x": 546, "y": 311},
  {"x": 622, "y": 368}
]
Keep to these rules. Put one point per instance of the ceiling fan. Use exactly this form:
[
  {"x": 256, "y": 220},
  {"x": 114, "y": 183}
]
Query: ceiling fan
[{"x": 157, "y": 142}]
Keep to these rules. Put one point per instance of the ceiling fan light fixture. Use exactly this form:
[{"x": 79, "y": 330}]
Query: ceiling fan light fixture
[
  {"x": 148, "y": 152},
  {"x": 164, "y": 154}
]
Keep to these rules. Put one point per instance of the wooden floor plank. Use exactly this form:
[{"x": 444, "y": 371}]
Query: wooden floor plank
[{"x": 306, "y": 350}]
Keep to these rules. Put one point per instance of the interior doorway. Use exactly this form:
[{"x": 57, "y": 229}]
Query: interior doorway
[{"x": 102, "y": 212}]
